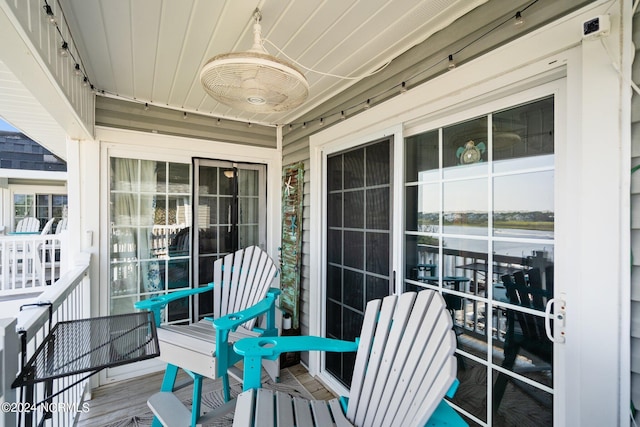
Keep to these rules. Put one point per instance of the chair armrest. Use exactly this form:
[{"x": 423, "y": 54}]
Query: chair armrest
[
  {"x": 163, "y": 300},
  {"x": 256, "y": 349},
  {"x": 230, "y": 322},
  {"x": 157, "y": 303},
  {"x": 272, "y": 347}
]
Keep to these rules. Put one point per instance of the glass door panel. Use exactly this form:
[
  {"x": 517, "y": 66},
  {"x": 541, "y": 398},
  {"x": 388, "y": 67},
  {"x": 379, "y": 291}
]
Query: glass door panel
[
  {"x": 358, "y": 243},
  {"x": 149, "y": 239},
  {"x": 480, "y": 229},
  {"x": 231, "y": 214}
]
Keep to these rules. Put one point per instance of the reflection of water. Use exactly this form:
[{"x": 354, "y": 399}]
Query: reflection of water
[
  {"x": 498, "y": 232},
  {"x": 518, "y": 249},
  {"x": 524, "y": 234}
]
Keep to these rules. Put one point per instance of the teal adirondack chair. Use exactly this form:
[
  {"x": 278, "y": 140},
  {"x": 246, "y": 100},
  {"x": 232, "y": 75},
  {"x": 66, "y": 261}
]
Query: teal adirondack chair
[
  {"x": 404, "y": 367},
  {"x": 241, "y": 293}
]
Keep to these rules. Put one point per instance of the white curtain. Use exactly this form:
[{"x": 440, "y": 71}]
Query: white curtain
[{"x": 134, "y": 210}]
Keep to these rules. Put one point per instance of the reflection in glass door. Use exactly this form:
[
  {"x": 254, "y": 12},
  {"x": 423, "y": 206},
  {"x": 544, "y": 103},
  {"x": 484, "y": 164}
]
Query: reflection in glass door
[
  {"x": 358, "y": 255},
  {"x": 230, "y": 214},
  {"x": 479, "y": 227}
]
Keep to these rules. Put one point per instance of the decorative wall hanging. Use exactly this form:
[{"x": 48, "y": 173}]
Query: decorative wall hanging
[
  {"x": 471, "y": 153},
  {"x": 291, "y": 249}
]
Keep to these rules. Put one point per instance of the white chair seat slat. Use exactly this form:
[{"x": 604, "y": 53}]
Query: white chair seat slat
[
  {"x": 169, "y": 409},
  {"x": 321, "y": 413},
  {"x": 338, "y": 416},
  {"x": 284, "y": 410},
  {"x": 244, "y": 409},
  {"x": 302, "y": 412},
  {"x": 200, "y": 336},
  {"x": 264, "y": 407}
]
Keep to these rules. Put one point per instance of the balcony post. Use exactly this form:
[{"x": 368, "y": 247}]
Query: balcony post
[{"x": 9, "y": 351}]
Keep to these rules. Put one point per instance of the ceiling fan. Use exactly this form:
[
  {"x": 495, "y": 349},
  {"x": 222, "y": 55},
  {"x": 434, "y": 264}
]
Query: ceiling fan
[{"x": 254, "y": 80}]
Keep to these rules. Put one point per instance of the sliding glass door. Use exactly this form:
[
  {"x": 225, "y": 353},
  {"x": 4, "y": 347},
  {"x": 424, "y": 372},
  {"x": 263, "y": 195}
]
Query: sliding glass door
[
  {"x": 160, "y": 243},
  {"x": 479, "y": 228},
  {"x": 230, "y": 201}
]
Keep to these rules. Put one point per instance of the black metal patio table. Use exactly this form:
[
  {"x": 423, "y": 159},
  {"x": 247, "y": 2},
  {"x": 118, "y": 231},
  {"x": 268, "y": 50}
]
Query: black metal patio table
[{"x": 88, "y": 346}]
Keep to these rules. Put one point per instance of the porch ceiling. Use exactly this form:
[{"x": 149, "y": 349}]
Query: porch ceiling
[{"x": 152, "y": 51}]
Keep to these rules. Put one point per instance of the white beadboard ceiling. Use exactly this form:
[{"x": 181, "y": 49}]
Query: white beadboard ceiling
[{"x": 152, "y": 50}]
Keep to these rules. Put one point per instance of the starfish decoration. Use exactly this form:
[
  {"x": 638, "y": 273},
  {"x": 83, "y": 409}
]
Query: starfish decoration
[{"x": 288, "y": 187}]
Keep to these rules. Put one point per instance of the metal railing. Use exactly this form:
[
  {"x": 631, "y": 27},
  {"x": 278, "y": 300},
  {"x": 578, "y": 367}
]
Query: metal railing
[{"x": 59, "y": 401}]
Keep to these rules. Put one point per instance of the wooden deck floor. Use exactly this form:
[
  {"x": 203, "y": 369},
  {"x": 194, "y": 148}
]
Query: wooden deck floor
[{"x": 122, "y": 403}]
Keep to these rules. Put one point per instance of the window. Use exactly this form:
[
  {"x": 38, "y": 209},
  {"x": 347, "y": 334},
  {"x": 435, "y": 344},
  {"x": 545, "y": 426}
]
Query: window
[{"x": 41, "y": 206}]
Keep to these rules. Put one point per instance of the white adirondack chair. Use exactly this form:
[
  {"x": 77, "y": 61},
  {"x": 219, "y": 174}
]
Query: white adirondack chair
[
  {"x": 241, "y": 294},
  {"x": 404, "y": 367},
  {"x": 61, "y": 225},
  {"x": 47, "y": 227},
  {"x": 28, "y": 225}
]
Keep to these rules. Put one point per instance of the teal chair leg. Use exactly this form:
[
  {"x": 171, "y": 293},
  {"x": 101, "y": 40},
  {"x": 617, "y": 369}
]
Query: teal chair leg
[
  {"x": 168, "y": 382},
  {"x": 225, "y": 387}
]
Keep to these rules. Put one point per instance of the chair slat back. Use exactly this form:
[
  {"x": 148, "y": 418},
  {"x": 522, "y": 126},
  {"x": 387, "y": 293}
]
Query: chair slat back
[
  {"x": 241, "y": 280},
  {"x": 61, "y": 225},
  {"x": 405, "y": 363},
  {"x": 47, "y": 227},
  {"x": 28, "y": 225}
]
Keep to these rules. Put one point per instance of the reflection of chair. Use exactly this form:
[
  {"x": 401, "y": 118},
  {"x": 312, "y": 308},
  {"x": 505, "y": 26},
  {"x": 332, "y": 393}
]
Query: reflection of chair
[
  {"x": 241, "y": 293},
  {"x": 524, "y": 290},
  {"x": 28, "y": 225},
  {"x": 404, "y": 366}
]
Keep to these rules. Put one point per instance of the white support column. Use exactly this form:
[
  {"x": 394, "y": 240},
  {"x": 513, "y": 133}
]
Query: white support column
[{"x": 9, "y": 348}]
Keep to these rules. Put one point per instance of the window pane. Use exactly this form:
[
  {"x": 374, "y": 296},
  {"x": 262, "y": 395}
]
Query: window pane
[
  {"x": 464, "y": 144},
  {"x": 354, "y": 169},
  {"x": 421, "y": 156},
  {"x": 378, "y": 165},
  {"x": 525, "y": 214},
  {"x": 465, "y": 207},
  {"x": 422, "y": 208},
  {"x": 179, "y": 178},
  {"x": 523, "y": 131}
]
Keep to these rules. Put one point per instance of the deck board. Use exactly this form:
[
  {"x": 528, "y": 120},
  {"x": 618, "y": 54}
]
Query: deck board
[{"x": 128, "y": 399}]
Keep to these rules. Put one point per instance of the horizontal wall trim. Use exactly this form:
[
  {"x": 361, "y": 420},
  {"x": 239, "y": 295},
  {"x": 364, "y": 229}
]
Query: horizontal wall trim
[{"x": 116, "y": 113}]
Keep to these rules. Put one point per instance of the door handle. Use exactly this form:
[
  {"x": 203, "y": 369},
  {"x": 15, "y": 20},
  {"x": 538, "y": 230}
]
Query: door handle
[{"x": 559, "y": 320}]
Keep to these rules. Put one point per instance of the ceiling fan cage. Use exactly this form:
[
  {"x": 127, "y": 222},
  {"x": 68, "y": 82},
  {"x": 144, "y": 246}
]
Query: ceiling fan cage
[{"x": 254, "y": 80}]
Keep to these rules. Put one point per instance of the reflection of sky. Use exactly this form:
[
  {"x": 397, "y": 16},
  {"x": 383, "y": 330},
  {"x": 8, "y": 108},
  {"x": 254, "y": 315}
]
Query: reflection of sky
[
  {"x": 4, "y": 126},
  {"x": 518, "y": 192},
  {"x": 525, "y": 192}
]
